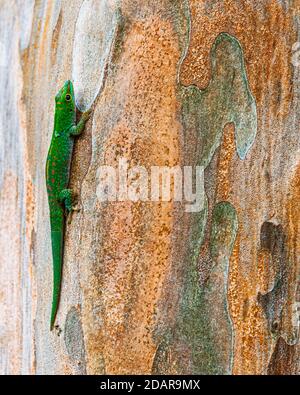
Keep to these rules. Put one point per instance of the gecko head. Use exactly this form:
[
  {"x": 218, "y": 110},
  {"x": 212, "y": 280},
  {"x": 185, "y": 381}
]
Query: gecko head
[{"x": 66, "y": 96}]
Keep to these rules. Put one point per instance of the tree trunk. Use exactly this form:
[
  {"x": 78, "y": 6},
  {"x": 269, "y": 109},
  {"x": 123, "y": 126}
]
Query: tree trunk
[{"x": 149, "y": 287}]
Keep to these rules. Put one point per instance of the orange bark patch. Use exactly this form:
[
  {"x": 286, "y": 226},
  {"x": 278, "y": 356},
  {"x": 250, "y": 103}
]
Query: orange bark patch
[
  {"x": 266, "y": 275},
  {"x": 43, "y": 40},
  {"x": 293, "y": 213},
  {"x": 268, "y": 64},
  {"x": 227, "y": 152},
  {"x": 290, "y": 318},
  {"x": 250, "y": 328},
  {"x": 137, "y": 236}
]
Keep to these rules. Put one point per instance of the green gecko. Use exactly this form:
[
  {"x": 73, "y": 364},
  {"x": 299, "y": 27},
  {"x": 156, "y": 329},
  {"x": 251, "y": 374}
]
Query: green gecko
[{"x": 57, "y": 179}]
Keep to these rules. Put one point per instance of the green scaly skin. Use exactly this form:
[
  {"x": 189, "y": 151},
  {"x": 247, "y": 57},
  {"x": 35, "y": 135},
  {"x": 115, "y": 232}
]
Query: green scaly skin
[{"x": 57, "y": 179}]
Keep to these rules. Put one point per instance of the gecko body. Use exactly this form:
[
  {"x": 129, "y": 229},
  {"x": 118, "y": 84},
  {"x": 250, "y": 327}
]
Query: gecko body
[{"x": 58, "y": 165}]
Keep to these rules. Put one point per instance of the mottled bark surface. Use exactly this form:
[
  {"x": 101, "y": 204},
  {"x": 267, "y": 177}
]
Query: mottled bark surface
[{"x": 148, "y": 287}]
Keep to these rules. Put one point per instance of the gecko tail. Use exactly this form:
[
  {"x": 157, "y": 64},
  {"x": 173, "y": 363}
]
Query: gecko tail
[{"x": 57, "y": 254}]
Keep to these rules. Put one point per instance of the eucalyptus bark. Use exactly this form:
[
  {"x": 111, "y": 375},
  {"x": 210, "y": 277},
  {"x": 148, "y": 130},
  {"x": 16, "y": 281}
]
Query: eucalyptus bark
[{"x": 147, "y": 286}]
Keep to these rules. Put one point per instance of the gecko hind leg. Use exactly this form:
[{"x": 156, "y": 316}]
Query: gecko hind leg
[{"x": 66, "y": 196}]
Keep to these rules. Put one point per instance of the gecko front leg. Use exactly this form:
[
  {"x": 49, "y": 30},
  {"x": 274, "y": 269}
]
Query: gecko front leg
[{"x": 76, "y": 130}]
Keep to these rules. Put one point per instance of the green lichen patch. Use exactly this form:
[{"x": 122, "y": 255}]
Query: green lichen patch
[{"x": 203, "y": 324}]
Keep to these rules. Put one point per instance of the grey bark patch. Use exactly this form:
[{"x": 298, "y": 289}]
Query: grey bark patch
[
  {"x": 227, "y": 99},
  {"x": 223, "y": 232},
  {"x": 273, "y": 239},
  {"x": 25, "y": 21},
  {"x": 94, "y": 37},
  {"x": 74, "y": 340},
  {"x": 160, "y": 363},
  {"x": 285, "y": 359}
]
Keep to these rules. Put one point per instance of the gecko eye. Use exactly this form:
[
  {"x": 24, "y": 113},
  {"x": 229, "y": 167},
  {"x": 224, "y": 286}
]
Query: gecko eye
[{"x": 68, "y": 97}]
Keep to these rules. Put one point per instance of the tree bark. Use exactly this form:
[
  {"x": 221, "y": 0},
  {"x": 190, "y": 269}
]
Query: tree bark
[{"x": 149, "y": 288}]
